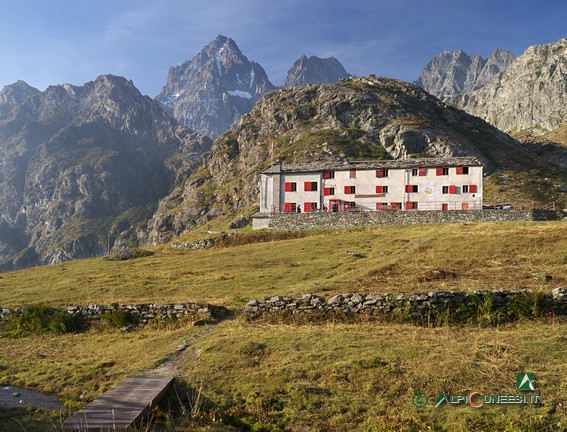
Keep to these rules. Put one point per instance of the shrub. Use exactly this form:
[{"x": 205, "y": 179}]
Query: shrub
[
  {"x": 42, "y": 319},
  {"x": 118, "y": 318}
]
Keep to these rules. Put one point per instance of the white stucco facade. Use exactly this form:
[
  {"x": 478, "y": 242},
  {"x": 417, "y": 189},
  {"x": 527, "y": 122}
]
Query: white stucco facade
[{"x": 413, "y": 184}]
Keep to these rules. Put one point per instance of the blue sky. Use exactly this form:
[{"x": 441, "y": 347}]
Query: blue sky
[{"x": 74, "y": 41}]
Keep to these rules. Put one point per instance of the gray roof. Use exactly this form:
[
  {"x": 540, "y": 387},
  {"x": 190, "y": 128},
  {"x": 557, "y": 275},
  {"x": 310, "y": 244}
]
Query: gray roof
[{"x": 374, "y": 164}]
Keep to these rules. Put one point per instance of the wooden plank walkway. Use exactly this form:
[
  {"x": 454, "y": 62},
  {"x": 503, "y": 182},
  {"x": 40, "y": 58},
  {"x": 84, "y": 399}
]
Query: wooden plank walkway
[{"x": 120, "y": 406}]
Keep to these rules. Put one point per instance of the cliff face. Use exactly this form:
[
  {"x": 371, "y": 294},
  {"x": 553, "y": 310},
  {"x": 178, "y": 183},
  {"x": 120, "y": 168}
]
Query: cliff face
[
  {"x": 314, "y": 70},
  {"x": 214, "y": 89},
  {"x": 357, "y": 118},
  {"x": 84, "y": 165},
  {"x": 455, "y": 73},
  {"x": 530, "y": 94}
]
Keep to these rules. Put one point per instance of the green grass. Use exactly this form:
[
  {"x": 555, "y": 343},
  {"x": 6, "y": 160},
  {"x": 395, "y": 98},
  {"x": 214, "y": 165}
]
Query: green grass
[
  {"x": 396, "y": 259},
  {"x": 328, "y": 376}
]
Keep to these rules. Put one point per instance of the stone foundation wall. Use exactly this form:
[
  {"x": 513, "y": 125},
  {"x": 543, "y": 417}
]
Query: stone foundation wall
[
  {"x": 415, "y": 305},
  {"x": 300, "y": 221},
  {"x": 142, "y": 313}
]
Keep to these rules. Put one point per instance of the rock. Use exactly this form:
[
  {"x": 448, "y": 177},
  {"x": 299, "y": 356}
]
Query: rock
[
  {"x": 337, "y": 299},
  {"x": 314, "y": 70}
]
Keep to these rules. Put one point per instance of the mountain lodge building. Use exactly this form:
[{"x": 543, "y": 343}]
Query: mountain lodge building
[{"x": 380, "y": 185}]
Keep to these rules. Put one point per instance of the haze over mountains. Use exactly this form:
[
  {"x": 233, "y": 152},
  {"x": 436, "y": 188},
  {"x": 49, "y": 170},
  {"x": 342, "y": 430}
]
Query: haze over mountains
[{"x": 83, "y": 169}]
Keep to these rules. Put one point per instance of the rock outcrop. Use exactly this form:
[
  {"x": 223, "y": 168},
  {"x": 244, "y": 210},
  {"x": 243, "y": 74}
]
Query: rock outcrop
[
  {"x": 82, "y": 167},
  {"x": 531, "y": 94},
  {"x": 213, "y": 90},
  {"x": 455, "y": 73},
  {"x": 314, "y": 70}
]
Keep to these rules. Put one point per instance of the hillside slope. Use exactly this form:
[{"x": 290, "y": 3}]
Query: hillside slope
[{"x": 357, "y": 118}]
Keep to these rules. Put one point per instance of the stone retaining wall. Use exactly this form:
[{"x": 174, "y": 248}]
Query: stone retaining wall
[
  {"x": 300, "y": 221},
  {"x": 415, "y": 305},
  {"x": 142, "y": 313}
]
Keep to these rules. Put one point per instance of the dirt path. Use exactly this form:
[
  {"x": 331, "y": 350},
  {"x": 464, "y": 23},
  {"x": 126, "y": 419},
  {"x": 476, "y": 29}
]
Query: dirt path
[{"x": 170, "y": 365}]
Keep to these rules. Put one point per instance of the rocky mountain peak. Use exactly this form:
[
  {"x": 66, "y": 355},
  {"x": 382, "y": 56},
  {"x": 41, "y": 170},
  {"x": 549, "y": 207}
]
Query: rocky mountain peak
[
  {"x": 314, "y": 70},
  {"x": 13, "y": 95},
  {"x": 215, "y": 88},
  {"x": 452, "y": 73},
  {"x": 530, "y": 94},
  {"x": 78, "y": 161}
]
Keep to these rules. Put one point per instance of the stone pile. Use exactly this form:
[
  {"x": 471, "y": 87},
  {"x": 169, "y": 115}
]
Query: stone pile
[
  {"x": 141, "y": 313},
  {"x": 416, "y": 305}
]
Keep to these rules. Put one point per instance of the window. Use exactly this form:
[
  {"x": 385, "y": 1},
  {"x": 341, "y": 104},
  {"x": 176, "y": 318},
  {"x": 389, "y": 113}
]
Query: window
[
  {"x": 329, "y": 191},
  {"x": 349, "y": 190},
  {"x": 444, "y": 206},
  {"x": 290, "y": 207},
  {"x": 462, "y": 170},
  {"x": 396, "y": 205},
  {"x": 310, "y": 186},
  {"x": 352, "y": 173},
  {"x": 411, "y": 188},
  {"x": 411, "y": 205},
  {"x": 309, "y": 207},
  {"x": 415, "y": 171},
  {"x": 381, "y": 189},
  {"x": 350, "y": 204},
  {"x": 381, "y": 206},
  {"x": 328, "y": 175},
  {"x": 465, "y": 189},
  {"x": 472, "y": 188},
  {"x": 445, "y": 189},
  {"x": 290, "y": 186},
  {"x": 442, "y": 171},
  {"x": 382, "y": 173},
  {"x": 465, "y": 206},
  {"x": 422, "y": 171}
]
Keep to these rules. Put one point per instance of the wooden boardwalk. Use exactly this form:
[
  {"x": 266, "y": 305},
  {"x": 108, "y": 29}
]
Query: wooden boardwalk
[{"x": 120, "y": 406}]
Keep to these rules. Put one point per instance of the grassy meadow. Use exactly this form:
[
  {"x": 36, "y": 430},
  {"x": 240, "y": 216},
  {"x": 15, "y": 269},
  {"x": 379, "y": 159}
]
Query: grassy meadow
[{"x": 329, "y": 376}]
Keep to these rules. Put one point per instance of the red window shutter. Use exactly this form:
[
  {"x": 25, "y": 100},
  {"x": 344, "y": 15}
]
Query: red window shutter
[
  {"x": 287, "y": 207},
  {"x": 379, "y": 173},
  {"x": 464, "y": 206},
  {"x": 307, "y": 207},
  {"x": 326, "y": 175},
  {"x": 307, "y": 186},
  {"x": 472, "y": 188},
  {"x": 379, "y": 189},
  {"x": 347, "y": 190},
  {"x": 422, "y": 171},
  {"x": 439, "y": 171},
  {"x": 459, "y": 170},
  {"x": 444, "y": 206},
  {"x": 326, "y": 191},
  {"x": 452, "y": 189},
  {"x": 287, "y": 186},
  {"x": 409, "y": 188}
]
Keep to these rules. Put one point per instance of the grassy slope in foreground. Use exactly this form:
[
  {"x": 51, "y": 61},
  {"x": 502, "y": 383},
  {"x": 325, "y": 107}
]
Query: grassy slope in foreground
[
  {"x": 394, "y": 259},
  {"x": 332, "y": 377}
]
